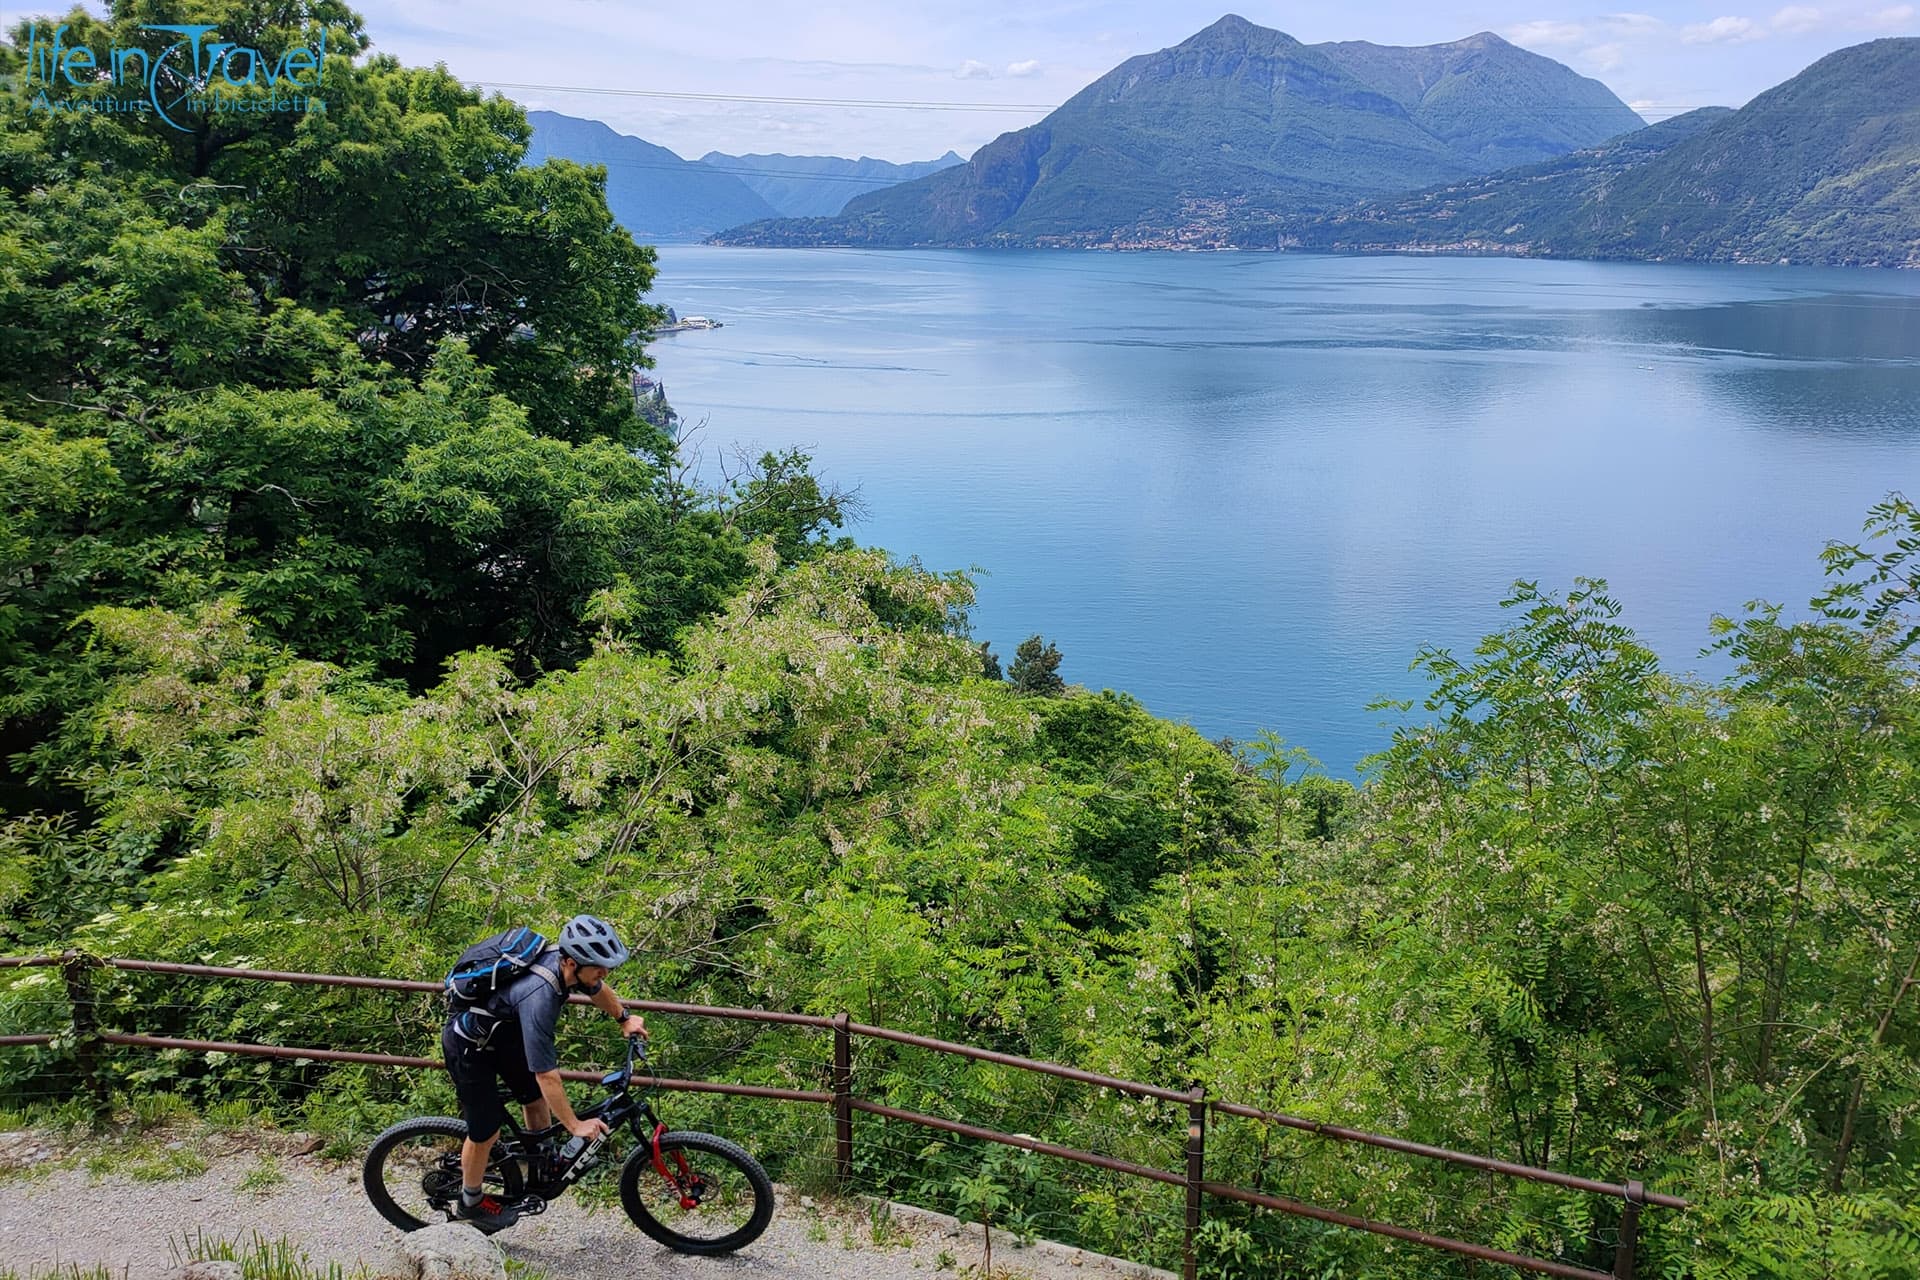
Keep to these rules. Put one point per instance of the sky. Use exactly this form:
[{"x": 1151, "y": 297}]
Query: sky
[
  {"x": 1026, "y": 56},
  {"x": 909, "y": 79}
]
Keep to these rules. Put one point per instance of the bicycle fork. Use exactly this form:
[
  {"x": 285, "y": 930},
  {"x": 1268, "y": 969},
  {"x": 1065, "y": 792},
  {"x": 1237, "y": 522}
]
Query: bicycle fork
[{"x": 688, "y": 1185}]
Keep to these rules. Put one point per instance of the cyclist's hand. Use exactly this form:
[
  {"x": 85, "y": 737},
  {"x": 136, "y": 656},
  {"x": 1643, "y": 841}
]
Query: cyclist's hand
[
  {"x": 588, "y": 1129},
  {"x": 633, "y": 1025}
]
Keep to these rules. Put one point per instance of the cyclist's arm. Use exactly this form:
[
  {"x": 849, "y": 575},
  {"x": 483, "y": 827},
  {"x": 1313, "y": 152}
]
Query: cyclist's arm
[
  {"x": 608, "y": 1003},
  {"x": 538, "y": 1013},
  {"x": 555, "y": 1092}
]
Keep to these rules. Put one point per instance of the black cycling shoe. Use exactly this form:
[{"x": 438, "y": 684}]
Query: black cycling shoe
[{"x": 491, "y": 1214}]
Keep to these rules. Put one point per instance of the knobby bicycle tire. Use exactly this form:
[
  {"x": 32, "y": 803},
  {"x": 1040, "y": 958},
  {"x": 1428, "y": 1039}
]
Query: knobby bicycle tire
[
  {"x": 639, "y": 1165},
  {"x": 372, "y": 1172}
]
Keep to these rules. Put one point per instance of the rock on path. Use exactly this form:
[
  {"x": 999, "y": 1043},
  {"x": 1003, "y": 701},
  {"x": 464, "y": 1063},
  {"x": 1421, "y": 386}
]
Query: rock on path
[{"x": 66, "y": 1218}]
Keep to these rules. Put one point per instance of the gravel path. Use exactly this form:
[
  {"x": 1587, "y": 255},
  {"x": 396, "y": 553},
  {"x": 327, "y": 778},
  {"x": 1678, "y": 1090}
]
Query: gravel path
[{"x": 63, "y": 1216}]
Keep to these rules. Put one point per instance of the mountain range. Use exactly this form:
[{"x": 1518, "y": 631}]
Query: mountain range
[
  {"x": 653, "y": 193},
  {"x": 1229, "y": 131},
  {"x": 819, "y": 186},
  {"x": 1824, "y": 168},
  {"x": 660, "y": 197},
  {"x": 1243, "y": 137}
]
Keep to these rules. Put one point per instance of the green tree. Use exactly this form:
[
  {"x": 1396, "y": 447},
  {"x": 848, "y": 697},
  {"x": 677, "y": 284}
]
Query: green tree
[
  {"x": 1036, "y": 668},
  {"x": 360, "y": 370},
  {"x": 1888, "y": 559},
  {"x": 403, "y": 208},
  {"x": 779, "y": 497}
]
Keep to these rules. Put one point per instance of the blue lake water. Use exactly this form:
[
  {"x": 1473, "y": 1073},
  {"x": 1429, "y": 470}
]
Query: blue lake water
[{"x": 1247, "y": 488}]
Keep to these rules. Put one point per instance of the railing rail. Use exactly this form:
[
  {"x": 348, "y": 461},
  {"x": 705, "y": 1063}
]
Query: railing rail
[
  {"x": 1507, "y": 1167},
  {"x": 88, "y": 1036}
]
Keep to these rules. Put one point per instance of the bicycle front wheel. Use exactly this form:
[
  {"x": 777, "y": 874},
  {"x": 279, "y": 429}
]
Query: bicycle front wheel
[
  {"x": 712, "y": 1198},
  {"x": 412, "y": 1173}
]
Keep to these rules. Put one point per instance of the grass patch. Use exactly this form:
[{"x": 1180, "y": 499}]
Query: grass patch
[
  {"x": 883, "y": 1230},
  {"x": 153, "y": 1110},
  {"x": 263, "y": 1177},
  {"x": 169, "y": 1166},
  {"x": 72, "y": 1117},
  {"x": 261, "y": 1258},
  {"x": 156, "y": 1137}
]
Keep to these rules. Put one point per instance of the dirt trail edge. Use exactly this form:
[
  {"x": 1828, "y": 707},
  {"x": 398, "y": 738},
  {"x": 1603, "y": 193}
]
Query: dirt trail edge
[{"x": 66, "y": 1217}]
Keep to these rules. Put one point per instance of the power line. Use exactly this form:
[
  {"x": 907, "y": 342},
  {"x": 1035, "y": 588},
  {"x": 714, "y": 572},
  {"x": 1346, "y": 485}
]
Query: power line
[{"x": 885, "y": 103}]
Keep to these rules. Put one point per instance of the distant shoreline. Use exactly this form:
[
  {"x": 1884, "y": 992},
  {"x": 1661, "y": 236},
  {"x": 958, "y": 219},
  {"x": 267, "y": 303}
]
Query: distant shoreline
[{"x": 1412, "y": 250}]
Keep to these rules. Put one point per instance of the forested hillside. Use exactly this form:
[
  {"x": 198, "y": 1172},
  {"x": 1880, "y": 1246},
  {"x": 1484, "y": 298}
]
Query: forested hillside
[
  {"x": 349, "y": 611},
  {"x": 1822, "y": 169},
  {"x": 1515, "y": 210}
]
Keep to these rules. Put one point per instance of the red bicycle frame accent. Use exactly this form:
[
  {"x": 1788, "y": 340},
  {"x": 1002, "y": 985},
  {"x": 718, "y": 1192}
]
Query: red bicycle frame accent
[{"x": 676, "y": 1184}]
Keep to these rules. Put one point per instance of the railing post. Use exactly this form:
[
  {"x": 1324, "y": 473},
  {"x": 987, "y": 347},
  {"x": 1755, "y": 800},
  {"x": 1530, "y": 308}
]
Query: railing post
[
  {"x": 77, "y": 968},
  {"x": 1629, "y": 1232},
  {"x": 842, "y": 1102},
  {"x": 1196, "y": 1174}
]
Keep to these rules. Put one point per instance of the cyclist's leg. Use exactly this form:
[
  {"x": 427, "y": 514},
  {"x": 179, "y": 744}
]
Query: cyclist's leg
[
  {"x": 511, "y": 1061},
  {"x": 518, "y": 1080},
  {"x": 473, "y": 1072}
]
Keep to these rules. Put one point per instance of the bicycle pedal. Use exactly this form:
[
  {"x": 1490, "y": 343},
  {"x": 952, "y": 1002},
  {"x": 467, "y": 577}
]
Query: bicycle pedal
[{"x": 531, "y": 1206}]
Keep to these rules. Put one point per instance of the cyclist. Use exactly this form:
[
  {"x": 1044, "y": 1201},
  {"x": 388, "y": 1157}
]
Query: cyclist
[{"x": 511, "y": 1042}]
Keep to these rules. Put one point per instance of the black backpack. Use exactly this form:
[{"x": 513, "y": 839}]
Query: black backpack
[{"x": 484, "y": 971}]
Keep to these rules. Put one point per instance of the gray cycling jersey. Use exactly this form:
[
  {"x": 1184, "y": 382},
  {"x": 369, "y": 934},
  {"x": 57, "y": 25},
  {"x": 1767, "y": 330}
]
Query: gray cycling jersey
[{"x": 535, "y": 1004}]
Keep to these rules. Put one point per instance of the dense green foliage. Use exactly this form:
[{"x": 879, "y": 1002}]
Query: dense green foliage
[
  {"x": 1206, "y": 141},
  {"x": 1036, "y": 668},
  {"x": 391, "y": 420},
  {"x": 1822, "y": 169},
  {"x": 333, "y": 642}
]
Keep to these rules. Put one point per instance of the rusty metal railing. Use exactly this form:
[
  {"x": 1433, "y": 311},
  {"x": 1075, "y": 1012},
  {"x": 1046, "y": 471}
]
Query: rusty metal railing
[{"x": 78, "y": 970}]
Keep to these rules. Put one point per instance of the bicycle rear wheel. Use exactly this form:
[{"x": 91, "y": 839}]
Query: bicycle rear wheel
[
  {"x": 412, "y": 1172},
  {"x": 714, "y": 1198}
]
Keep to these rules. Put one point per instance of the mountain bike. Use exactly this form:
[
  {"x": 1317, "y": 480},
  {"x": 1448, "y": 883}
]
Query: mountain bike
[{"x": 692, "y": 1192}]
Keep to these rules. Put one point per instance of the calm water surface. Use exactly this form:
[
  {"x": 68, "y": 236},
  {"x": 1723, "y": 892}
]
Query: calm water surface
[{"x": 1248, "y": 488}]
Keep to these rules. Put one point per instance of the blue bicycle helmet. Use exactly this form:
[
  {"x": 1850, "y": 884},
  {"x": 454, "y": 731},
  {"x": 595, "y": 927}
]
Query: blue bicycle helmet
[{"x": 591, "y": 940}]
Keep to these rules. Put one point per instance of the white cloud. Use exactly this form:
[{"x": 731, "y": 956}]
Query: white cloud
[
  {"x": 1898, "y": 18},
  {"x": 1547, "y": 32},
  {"x": 1031, "y": 67},
  {"x": 1723, "y": 31},
  {"x": 1795, "y": 18},
  {"x": 1604, "y": 57},
  {"x": 1635, "y": 23},
  {"x": 973, "y": 70}
]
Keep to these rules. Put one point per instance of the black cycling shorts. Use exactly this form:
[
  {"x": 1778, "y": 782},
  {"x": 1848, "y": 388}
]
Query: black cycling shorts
[{"x": 479, "y": 1073}]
